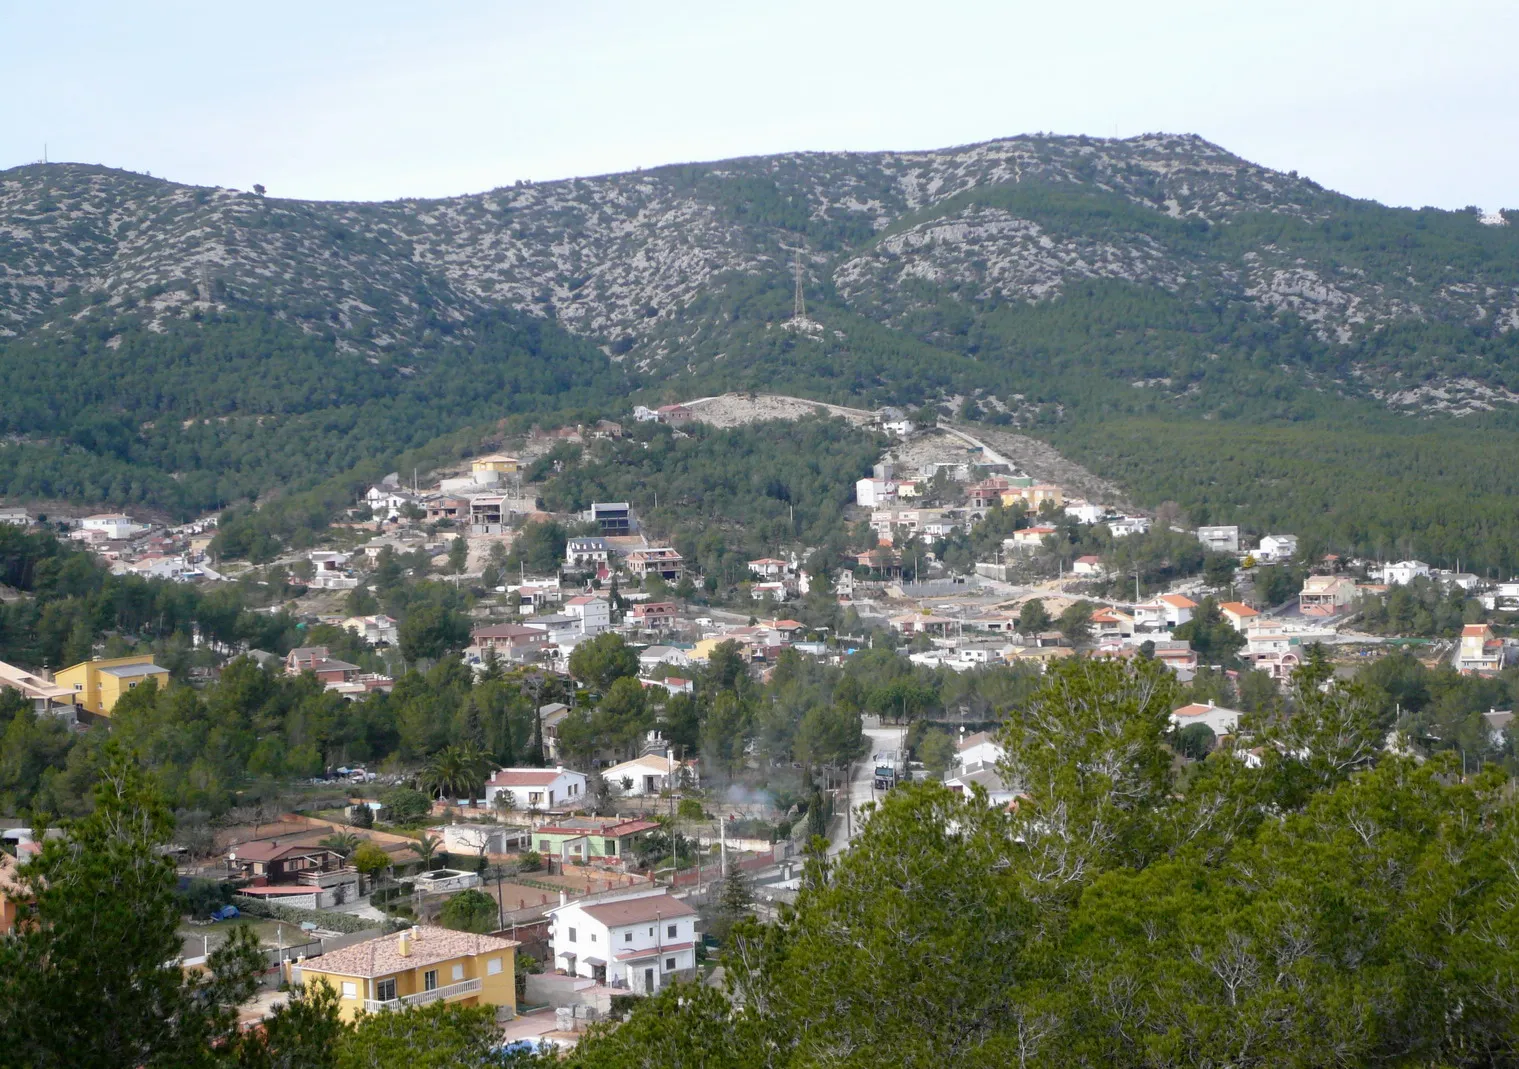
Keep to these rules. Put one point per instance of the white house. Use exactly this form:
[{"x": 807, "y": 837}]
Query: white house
[
  {"x": 16, "y": 517},
  {"x": 654, "y": 656},
  {"x": 386, "y": 502},
  {"x": 768, "y": 568},
  {"x": 377, "y": 630},
  {"x": 645, "y": 414},
  {"x": 1404, "y": 572},
  {"x": 962, "y": 779},
  {"x": 1168, "y": 610},
  {"x": 982, "y": 748},
  {"x": 594, "y": 614},
  {"x": 873, "y": 493},
  {"x": 329, "y": 571},
  {"x": 643, "y": 940},
  {"x": 1083, "y": 512},
  {"x": 1222, "y": 721},
  {"x": 1088, "y": 565},
  {"x": 535, "y": 788},
  {"x": 1124, "y": 526},
  {"x": 112, "y": 525},
  {"x": 586, "y": 552},
  {"x": 1276, "y": 548},
  {"x": 1219, "y": 539},
  {"x": 644, "y": 776}
]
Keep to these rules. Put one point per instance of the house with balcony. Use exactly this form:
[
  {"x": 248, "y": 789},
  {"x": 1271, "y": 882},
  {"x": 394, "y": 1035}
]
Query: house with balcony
[
  {"x": 1219, "y": 539},
  {"x": 654, "y": 615},
  {"x": 1275, "y": 548},
  {"x": 509, "y": 641},
  {"x": 293, "y": 874},
  {"x": 416, "y": 967},
  {"x": 642, "y": 940},
  {"x": 99, "y": 685},
  {"x": 47, "y": 698},
  {"x": 1480, "y": 652},
  {"x": 612, "y": 518},
  {"x": 1168, "y": 610},
  {"x": 662, "y": 561},
  {"x": 1325, "y": 595}
]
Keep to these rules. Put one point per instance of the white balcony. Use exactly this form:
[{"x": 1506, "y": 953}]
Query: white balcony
[{"x": 422, "y": 998}]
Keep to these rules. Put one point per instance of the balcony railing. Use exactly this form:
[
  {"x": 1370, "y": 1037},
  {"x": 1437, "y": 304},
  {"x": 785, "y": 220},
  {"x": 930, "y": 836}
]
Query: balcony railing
[{"x": 422, "y": 998}]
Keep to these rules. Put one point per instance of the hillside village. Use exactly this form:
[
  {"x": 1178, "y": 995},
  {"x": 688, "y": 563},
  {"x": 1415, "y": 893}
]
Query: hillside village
[{"x": 599, "y": 867}]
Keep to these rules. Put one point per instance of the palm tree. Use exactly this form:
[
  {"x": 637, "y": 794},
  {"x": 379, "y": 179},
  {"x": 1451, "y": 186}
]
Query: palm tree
[
  {"x": 456, "y": 772},
  {"x": 343, "y": 843},
  {"x": 427, "y": 849}
]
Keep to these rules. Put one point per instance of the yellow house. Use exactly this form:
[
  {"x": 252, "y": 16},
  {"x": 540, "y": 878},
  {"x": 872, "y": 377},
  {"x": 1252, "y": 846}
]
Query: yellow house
[
  {"x": 97, "y": 685},
  {"x": 1033, "y": 496},
  {"x": 420, "y": 965},
  {"x": 499, "y": 463}
]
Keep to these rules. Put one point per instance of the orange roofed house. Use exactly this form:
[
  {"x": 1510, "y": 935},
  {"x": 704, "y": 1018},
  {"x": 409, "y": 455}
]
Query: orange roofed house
[
  {"x": 418, "y": 966},
  {"x": 1238, "y": 614}
]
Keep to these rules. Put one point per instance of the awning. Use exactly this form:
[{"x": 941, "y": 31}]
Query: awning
[
  {"x": 593, "y": 961},
  {"x": 654, "y": 952}
]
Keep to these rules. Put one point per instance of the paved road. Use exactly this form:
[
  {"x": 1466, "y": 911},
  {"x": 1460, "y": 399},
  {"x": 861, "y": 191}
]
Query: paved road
[{"x": 861, "y": 789}]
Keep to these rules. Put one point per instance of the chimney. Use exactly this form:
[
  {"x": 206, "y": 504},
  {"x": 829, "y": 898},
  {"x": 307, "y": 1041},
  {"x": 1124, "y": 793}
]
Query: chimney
[
  {"x": 416, "y": 932},
  {"x": 564, "y": 899},
  {"x": 403, "y": 944},
  {"x": 1210, "y": 703}
]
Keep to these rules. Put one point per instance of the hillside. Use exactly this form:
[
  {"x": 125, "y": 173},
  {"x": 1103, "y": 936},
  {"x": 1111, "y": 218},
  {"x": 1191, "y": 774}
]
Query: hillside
[{"x": 1050, "y": 282}]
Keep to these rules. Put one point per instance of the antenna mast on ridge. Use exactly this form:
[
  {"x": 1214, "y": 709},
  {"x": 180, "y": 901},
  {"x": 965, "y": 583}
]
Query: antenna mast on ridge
[{"x": 799, "y": 320}]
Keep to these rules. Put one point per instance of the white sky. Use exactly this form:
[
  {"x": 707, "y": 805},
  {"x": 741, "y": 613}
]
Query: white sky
[{"x": 1409, "y": 103}]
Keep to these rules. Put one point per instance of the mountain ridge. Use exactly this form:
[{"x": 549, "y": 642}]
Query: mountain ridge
[{"x": 1054, "y": 283}]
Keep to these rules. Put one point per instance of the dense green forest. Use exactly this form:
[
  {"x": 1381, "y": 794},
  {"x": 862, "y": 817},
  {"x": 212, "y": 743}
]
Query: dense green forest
[
  {"x": 727, "y": 496},
  {"x": 235, "y": 406}
]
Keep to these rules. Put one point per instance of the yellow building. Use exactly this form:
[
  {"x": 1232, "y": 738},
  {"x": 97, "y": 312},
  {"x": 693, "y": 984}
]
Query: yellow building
[
  {"x": 499, "y": 463},
  {"x": 98, "y": 685},
  {"x": 1031, "y": 497},
  {"x": 418, "y": 966}
]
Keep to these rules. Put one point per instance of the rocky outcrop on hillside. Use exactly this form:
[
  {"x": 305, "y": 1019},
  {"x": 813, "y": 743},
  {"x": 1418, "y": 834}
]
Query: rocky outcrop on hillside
[{"x": 623, "y": 258}]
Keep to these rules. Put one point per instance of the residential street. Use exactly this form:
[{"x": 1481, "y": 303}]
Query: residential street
[{"x": 861, "y": 788}]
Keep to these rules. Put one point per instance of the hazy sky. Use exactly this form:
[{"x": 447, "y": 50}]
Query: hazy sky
[{"x": 1409, "y": 103}]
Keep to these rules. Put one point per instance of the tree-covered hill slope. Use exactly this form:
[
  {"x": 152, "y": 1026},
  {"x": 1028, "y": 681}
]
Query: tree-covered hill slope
[{"x": 1052, "y": 282}]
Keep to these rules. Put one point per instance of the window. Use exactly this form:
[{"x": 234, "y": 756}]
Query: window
[
  {"x": 430, "y": 980},
  {"x": 627, "y": 937},
  {"x": 78, "y": 686},
  {"x": 611, "y": 848},
  {"x": 593, "y": 937},
  {"x": 350, "y": 989},
  {"x": 535, "y": 797},
  {"x": 572, "y": 935},
  {"x": 651, "y": 931},
  {"x": 385, "y": 990},
  {"x": 131, "y": 685},
  {"x": 543, "y": 845},
  {"x": 669, "y": 965},
  {"x": 493, "y": 967},
  {"x": 670, "y": 931},
  {"x": 458, "y": 973}
]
